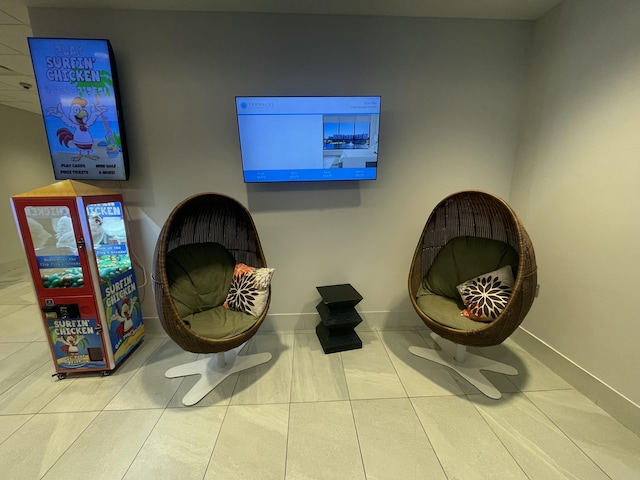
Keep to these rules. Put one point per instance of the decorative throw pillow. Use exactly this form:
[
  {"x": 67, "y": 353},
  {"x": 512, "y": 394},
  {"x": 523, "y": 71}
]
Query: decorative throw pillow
[
  {"x": 487, "y": 295},
  {"x": 249, "y": 289}
]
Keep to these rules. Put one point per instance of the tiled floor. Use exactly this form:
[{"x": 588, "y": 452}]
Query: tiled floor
[{"x": 374, "y": 413}]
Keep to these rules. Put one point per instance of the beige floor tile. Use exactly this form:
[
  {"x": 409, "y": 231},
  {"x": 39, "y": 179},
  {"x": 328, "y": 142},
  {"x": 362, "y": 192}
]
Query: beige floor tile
[
  {"x": 93, "y": 392},
  {"x": 369, "y": 371},
  {"x": 22, "y": 363},
  {"x": 39, "y": 443},
  {"x": 316, "y": 376},
  {"x": 542, "y": 450},
  {"x": 221, "y": 395},
  {"x": 252, "y": 443},
  {"x": 502, "y": 382},
  {"x": 419, "y": 377},
  {"x": 8, "y": 308},
  {"x": 7, "y": 349},
  {"x": 271, "y": 381},
  {"x": 532, "y": 374},
  {"x": 393, "y": 441},
  {"x": 25, "y": 324},
  {"x": 148, "y": 387},
  {"x": 179, "y": 446},
  {"x": 10, "y": 423},
  {"x": 20, "y": 293},
  {"x": 33, "y": 392},
  {"x": 323, "y": 443},
  {"x": 106, "y": 449},
  {"x": 608, "y": 443},
  {"x": 465, "y": 445}
]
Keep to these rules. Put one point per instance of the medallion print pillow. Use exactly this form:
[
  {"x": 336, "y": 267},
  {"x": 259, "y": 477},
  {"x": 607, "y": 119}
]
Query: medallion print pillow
[
  {"x": 486, "y": 296},
  {"x": 249, "y": 289}
]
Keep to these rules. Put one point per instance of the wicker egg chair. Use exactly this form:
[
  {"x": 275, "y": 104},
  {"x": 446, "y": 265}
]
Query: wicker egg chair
[
  {"x": 474, "y": 214},
  {"x": 202, "y": 219}
]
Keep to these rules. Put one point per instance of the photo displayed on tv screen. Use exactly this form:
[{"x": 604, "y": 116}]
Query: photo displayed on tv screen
[
  {"x": 80, "y": 104},
  {"x": 293, "y": 139}
]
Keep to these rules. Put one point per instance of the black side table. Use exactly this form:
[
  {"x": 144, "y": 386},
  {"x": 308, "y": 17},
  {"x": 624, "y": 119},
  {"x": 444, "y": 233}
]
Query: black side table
[{"x": 338, "y": 318}]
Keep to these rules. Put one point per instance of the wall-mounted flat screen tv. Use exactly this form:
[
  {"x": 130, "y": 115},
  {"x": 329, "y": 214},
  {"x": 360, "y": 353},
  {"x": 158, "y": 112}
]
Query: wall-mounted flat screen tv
[
  {"x": 297, "y": 139},
  {"x": 78, "y": 89}
]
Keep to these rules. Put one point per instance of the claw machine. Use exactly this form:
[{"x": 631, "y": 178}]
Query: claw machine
[{"x": 76, "y": 243}]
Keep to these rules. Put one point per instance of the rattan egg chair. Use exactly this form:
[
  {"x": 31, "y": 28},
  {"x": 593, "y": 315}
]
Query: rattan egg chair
[
  {"x": 206, "y": 219},
  {"x": 461, "y": 216}
]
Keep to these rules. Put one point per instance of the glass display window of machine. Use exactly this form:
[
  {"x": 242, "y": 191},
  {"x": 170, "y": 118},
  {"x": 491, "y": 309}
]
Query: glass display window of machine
[
  {"x": 54, "y": 241},
  {"x": 109, "y": 238}
]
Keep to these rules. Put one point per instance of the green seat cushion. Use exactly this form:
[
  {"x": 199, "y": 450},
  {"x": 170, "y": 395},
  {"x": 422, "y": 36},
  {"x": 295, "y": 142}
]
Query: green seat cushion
[
  {"x": 199, "y": 276},
  {"x": 220, "y": 322},
  {"x": 445, "y": 310},
  {"x": 464, "y": 258}
]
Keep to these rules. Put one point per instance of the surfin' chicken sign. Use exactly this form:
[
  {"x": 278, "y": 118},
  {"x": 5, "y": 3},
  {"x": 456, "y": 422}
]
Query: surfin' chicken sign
[{"x": 80, "y": 106}]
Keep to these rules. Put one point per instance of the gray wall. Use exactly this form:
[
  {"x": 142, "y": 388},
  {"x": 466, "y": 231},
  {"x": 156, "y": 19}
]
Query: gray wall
[
  {"x": 451, "y": 98},
  {"x": 575, "y": 186},
  {"x": 24, "y": 165}
]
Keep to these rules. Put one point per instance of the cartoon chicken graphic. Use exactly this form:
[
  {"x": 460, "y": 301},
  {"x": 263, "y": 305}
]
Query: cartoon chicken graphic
[
  {"x": 81, "y": 117},
  {"x": 123, "y": 314},
  {"x": 70, "y": 346}
]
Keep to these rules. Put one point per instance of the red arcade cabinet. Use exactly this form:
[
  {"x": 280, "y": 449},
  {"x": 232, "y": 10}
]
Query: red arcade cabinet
[{"x": 75, "y": 239}]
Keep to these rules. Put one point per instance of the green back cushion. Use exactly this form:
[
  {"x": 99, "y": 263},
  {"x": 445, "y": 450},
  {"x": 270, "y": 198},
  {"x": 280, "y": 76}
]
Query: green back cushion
[
  {"x": 199, "y": 276},
  {"x": 464, "y": 258}
]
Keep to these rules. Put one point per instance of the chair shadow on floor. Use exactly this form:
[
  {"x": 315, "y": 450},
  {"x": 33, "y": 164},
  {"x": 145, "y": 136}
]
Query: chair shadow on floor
[{"x": 439, "y": 378}]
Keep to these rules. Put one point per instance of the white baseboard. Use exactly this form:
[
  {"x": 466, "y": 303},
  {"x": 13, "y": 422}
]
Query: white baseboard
[
  {"x": 370, "y": 321},
  {"x": 284, "y": 322},
  {"x": 610, "y": 400}
]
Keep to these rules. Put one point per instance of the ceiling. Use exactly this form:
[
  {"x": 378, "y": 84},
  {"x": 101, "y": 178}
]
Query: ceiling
[{"x": 17, "y": 81}]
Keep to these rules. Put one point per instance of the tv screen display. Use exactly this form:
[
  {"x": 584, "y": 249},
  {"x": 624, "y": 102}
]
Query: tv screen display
[
  {"x": 78, "y": 89},
  {"x": 296, "y": 139}
]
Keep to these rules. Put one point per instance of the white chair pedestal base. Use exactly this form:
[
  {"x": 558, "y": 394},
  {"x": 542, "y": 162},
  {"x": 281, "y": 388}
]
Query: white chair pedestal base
[
  {"x": 213, "y": 370},
  {"x": 468, "y": 365}
]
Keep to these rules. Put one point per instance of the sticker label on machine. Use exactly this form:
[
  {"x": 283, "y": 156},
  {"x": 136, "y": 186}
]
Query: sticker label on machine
[
  {"x": 123, "y": 313},
  {"x": 76, "y": 343}
]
